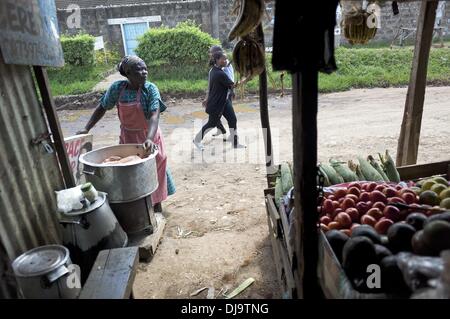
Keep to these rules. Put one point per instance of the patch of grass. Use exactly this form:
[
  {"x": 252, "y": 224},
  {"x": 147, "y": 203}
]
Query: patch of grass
[
  {"x": 70, "y": 80},
  {"x": 357, "y": 68}
]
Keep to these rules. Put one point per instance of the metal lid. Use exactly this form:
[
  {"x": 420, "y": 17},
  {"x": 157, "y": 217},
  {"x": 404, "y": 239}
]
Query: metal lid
[
  {"x": 40, "y": 261},
  {"x": 93, "y": 206}
]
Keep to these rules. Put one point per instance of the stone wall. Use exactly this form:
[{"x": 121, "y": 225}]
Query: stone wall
[
  {"x": 95, "y": 20},
  {"x": 407, "y": 18},
  {"x": 216, "y": 18}
]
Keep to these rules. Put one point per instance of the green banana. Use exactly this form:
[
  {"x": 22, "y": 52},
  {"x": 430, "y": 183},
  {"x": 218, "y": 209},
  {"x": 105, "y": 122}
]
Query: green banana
[{"x": 250, "y": 15}]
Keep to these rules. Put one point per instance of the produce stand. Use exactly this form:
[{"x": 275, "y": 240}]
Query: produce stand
[{"x": 306, "y": 265}]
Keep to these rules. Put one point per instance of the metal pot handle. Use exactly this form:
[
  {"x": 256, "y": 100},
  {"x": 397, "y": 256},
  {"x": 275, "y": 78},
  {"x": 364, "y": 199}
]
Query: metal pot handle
[
  {"x": 57, "y": 273},
  {"x": 89, "y": 170},
  {"x": 81, "y": 221}
]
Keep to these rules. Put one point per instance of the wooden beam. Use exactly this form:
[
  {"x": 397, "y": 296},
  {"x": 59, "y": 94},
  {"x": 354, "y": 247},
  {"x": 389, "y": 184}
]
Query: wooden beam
[
  {"x": 304, "y": 116},
  {"x": 264, "y": 111},
  {"x": 408, "y": 143},
  {"x": 55, "y": 128}
]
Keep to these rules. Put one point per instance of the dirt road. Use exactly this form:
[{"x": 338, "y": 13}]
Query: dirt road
[{"x": 219, "y": 202}]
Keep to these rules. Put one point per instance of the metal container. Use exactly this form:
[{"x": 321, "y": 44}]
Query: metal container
[
  {"x": 124, "y": 182},
  {"x": 136, "y": 217},
  {"x": 90, "y": 230},
  {"x": 45, "y": 273}
]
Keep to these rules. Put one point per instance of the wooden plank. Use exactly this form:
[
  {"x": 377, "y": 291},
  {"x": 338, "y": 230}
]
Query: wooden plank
[
  {"x": 148, "y": 244},
  {"x": 273, "y": 215},
  {"x": 304, "y": 124},
  {"x": 412, "y": 172},
  {"x": 264, "y": 112},
  {"x": 276, "y": 255},
  {"x": 408, "y": 143},
  {"x": 52, "y": 118},
  {"x": 112, "y": 275},
  {"x": 285, "y": 225}
]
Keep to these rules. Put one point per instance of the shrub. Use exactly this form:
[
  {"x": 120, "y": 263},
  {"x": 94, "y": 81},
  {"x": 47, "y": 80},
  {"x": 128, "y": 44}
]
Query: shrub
[
  {"x": 78, "y": 49},
  {"x": 109, "y": 57},
  {"x": 185, "y": 43}
]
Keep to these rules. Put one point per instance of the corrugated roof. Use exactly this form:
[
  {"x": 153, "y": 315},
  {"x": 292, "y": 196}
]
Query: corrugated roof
[{"x": 29, "y": 176}]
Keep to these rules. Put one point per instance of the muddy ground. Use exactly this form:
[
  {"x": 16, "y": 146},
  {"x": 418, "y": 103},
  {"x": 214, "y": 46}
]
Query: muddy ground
[{"x": 216, "y": 233}]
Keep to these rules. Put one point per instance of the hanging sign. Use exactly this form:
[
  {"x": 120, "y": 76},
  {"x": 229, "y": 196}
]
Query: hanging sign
[{"x": 29, "y": 33}]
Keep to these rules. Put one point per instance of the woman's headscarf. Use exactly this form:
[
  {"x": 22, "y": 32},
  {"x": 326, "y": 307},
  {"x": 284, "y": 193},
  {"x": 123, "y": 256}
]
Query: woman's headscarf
[{"x": 128, "y": 63}]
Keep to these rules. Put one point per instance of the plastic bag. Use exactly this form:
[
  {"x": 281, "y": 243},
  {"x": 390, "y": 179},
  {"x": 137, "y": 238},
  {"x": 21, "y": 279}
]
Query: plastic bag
[
  {"x": 419, "y": 270},
  {"x": 69, "y": 199},
  {"x": 440, "y": 286}
]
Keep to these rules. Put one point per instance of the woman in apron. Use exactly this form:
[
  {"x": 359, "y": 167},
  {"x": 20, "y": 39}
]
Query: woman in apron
[{"x": 139, "y": 105}]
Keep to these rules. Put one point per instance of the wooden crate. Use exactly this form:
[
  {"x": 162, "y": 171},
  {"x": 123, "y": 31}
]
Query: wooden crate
[
  {"x": 283, "y": 251},
  {"x": 332, "y": 277}
]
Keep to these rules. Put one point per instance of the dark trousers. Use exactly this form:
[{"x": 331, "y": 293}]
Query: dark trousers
[{"x": 214, "y": 121}]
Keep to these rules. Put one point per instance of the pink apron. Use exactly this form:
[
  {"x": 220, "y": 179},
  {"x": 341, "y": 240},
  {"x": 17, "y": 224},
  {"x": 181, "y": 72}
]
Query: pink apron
[{"x": 134, "y": 130}]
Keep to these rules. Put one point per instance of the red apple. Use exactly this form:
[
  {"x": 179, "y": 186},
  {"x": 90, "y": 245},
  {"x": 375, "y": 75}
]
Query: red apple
[
  {"x": 376, "y": 213},
  {"x": 347, "y": 203},
  {"x": 364, "y": 197},
  {"x": 355, "y": 191},
  {"x": 353, "y": 213},
  {"x": 362, "y": 208},
  {"x": 325, "y": 220},
  {"x": 383, "y": 225},
  {"x": 377, "y": 196},
  {"x": 368, "y": 220},
  {"x": 392, "y": 213},
  {"x": 344, "y": 220},
  {"x": 390, "y": 192},
  {"x": 354, "y": 184},
  {"x": 379, "y": 205}
]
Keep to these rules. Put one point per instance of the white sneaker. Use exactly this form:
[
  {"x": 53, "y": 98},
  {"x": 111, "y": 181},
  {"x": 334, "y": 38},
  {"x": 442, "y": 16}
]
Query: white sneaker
[
  {"x": 199, "y": 145},
  {"x": 218, "y": 133},
  {"x": 239, "y": 146}
]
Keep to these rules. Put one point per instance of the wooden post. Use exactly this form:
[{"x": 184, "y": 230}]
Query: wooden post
[
  {"x": 264, "y": 111},
  {"x": 408, "y": 143},
  {"x": 52, "y": 118},
  {"x": 304, "y": 124}
]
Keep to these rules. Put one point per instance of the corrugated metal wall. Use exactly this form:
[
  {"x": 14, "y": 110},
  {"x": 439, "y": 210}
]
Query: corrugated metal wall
[{"x": 28, "y": 174}]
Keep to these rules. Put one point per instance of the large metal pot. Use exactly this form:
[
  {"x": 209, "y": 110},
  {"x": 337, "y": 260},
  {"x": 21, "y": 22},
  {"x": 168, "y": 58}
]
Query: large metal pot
[
  {"x": 123, "y": 183},
  {"x": 45, "y": 273},
  {"x": 90, "y": 230}
]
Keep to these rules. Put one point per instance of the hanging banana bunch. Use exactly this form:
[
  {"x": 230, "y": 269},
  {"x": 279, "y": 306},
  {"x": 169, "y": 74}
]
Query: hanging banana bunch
[
  {"x": 249, "y": 58},
  {"x": 251, "y": 12},
  {"x": 248, "y": 54},
  {"x": 355, "y": 23}
]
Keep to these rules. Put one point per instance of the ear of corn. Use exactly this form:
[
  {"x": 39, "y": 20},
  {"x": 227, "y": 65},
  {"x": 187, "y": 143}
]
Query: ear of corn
[
  {"x": 346, "y": 173},
  {"x": 333, "y": 176},
  {"x": 286, "y": 178},
  {"x": 377, "y": 166},
  {"x": 368, "y": 171},
  {"x": 326, "y": 181},
  {"x": 389, "y": 167}
]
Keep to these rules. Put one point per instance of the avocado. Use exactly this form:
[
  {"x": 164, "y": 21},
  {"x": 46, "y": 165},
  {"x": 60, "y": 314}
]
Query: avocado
[
  {"x": 358, "y": 253},
  {"x": 419, "y": 246},
  {"x": 416, "y": 220},
  {"x": 440, "y": 180},
  {"x": 337, "y": 240},
  {"x": 436, "y": 235},
  {"x": 400, "y": 235},
  {"x": 442, "y": 216},
  {"x": 367, "y": 231},
  {"x": 392, "y": 277},
  {"x": 429, "y": 198},
  {"x": 382, "y": 252}
]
